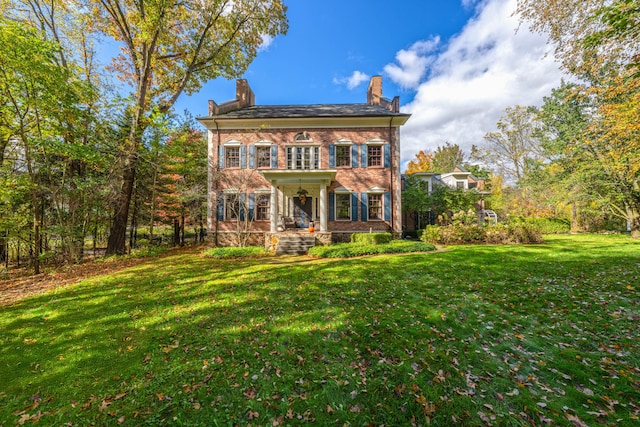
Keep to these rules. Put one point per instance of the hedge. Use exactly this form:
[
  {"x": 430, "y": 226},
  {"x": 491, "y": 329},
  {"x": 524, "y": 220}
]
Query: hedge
[
  {"x": 546, "y": 225},
  {"x": 469, "y": 234},
  {"x": 371, "y": 238}
]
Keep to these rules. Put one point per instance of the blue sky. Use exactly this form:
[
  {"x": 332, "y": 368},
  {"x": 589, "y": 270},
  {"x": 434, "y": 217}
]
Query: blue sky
[{"x": 456, "y": 64}]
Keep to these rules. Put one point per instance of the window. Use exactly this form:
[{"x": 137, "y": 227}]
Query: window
[
  {"x": 231, "y": 206},
  {"x": 460, "y": 185},
  {"x": 232, "y": 157},
  {"x": 343, "y": 155},
  {"x": 375, "y": 206},
  {"x": 303, "y": 157},
  {"x": 343, "y": 206},
  {"x": 263, "y": 203},
  {"x": 263, "y": 156},
  {"x": 374, "y": 155}
]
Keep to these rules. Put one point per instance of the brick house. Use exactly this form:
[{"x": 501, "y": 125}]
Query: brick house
[{"x": 281, "y": 169}]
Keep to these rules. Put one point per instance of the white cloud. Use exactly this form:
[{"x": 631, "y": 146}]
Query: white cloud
[
  {"x": 413, "y": 63},
  {"x": 267, "y": 40},
  {"x": 477, "y": 74},
  {"x": 353, "y": 81}
]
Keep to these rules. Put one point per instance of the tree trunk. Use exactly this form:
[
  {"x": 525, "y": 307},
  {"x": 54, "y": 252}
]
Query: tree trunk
[
  {"x": 574, "y": 217},
  {"x": 37, "y": 241},
  {"x": 4, "y": 249},
  {"x": 176, "y": 232},
  {"x": 633, "y": 216},
  {"x": 182, "y": 230},
  {"x": 118, "y": 233}
]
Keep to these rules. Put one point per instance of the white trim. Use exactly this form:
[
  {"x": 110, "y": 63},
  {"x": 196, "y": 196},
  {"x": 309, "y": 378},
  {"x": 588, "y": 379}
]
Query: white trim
[
  {"x": 376, "y": 190},
  {"x": 263, "y": 143},
  {"x": 342, "y": 190},
  {"x": 232, "y": 143},
  {"x": 262, "y": 190},
  {"x": 375, "y": 141},
  {"x": 343, "y": 141}
]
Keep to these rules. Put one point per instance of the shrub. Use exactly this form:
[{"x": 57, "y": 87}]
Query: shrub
[
  {"x": 236, "y": 252},
  {"x": 348, "y": 250},
  {"x": 371, "y": 238},
  {"x": 497, "y": 234},
  {"x": 546, "y": 225}
]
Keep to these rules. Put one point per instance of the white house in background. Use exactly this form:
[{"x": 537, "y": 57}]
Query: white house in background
[{"x": 458, "y": 179}]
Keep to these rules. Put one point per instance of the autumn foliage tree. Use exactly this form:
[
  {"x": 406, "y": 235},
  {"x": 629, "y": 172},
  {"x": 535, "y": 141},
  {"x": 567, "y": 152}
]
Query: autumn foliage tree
[
  {"x": 423, "y": 162},
  {"x": 169, "y": 48},
  {"x": 597, "y": 41}
]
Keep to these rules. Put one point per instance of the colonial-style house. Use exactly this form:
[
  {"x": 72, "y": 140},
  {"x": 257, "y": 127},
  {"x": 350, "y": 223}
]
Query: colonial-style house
[{"x": 327, "y": 170}]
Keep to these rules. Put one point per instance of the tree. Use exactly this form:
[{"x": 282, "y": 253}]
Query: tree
[
  {"x": 42, "y": 105},
  {"x": 184, "y": 173},
  {"x": 422, "y": 163},
  {"x": 589, "y": 35},
  {"x": 173, "y": 47},
  {"x": 416, "y": 201},
  {"x": 612, "y": 146},
  {"x": 513, "y": 149},
  {"x": 447, "y": 157}
]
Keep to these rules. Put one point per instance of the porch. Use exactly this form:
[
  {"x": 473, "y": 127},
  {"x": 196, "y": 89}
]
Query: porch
[{"x": 299, "y": 198}]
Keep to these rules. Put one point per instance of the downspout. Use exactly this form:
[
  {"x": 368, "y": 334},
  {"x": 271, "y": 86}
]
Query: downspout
[
  {"x": 391, "y": 187},
  {"x": 217, "y": 168}
]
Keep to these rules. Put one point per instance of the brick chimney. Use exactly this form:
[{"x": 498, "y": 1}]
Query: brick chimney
[
  {"x": 244, "y": 94},
  {"x": 374, "y": 93},
  {"x": 244, "y": 98},
  {"x": 374, "y": 96}
]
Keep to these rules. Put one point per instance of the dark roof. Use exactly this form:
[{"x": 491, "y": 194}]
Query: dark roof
[{"x": 317, "y": 110}]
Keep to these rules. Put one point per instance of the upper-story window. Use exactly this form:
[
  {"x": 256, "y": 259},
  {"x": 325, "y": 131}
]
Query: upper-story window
[
  {"x": 263, "y": 156},
  {"x": 232, "y": 156},
  {"x": 343, "y": 155},
  {"x": 306, "y": 157},
  {"x": 374, "y": 155}
]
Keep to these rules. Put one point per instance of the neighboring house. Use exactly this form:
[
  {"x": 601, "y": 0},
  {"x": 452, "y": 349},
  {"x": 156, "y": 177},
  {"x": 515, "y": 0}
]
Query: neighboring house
[
  {"x": 278, "y": 169},
  {"x": 458, "y": 179}
]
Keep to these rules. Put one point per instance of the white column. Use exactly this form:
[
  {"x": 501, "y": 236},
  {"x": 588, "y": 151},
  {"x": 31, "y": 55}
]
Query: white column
[
  {"x": 323, "y": 206},
  {"x": 274, "y": 207}
]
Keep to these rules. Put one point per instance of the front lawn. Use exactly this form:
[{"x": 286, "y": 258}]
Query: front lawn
[{"x": 475, "y": 335}]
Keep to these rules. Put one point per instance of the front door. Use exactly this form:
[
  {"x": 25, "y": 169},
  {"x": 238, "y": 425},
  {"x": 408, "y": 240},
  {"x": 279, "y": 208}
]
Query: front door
[{"x": 302, "y": 211}]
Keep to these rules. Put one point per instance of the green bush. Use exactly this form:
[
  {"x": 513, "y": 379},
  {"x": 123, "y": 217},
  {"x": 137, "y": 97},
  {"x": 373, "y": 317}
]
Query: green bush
[
  {"x": 546, "y": 225},
  {"x": 236, "y": 252},
  {"x": 348, "y": 250},
  {"x": 371, "y": 238},
  {"x": 521, "y": 232}
]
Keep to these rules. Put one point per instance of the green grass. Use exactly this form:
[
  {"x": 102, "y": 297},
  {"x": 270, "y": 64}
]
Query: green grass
[
  {"x": 236, "y": 252},
  {"x": 348, "y": 250},
  {"x": 476, "y": 335}
]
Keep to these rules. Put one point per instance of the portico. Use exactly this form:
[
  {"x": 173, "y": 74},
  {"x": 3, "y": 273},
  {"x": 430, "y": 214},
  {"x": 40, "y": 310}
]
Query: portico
[{"x": 299, "y": 195}]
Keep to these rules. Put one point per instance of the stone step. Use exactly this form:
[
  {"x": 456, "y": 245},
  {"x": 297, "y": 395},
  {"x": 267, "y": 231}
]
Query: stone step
[{"x": 295, "y": 245}]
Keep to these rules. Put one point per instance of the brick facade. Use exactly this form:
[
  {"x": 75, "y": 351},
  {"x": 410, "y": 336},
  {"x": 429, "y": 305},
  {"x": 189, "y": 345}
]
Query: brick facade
[{"x": 345, "y": 158}]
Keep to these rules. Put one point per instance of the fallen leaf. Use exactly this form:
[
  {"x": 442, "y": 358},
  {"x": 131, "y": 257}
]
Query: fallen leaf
[{"x": 577, "y": 422}]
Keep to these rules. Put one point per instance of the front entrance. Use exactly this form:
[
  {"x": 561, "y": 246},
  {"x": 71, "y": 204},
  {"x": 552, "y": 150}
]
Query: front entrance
[{"x": 302, "y": 211}]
